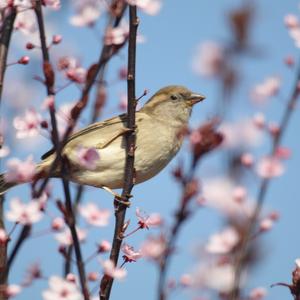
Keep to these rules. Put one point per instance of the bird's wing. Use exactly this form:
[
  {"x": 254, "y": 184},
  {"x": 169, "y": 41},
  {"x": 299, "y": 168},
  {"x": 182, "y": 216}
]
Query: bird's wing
[{"x": 103, "y": 137}]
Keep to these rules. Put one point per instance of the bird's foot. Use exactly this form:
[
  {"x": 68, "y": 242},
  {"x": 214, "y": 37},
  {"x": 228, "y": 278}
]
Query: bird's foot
[{"x": 118, "y": 197}]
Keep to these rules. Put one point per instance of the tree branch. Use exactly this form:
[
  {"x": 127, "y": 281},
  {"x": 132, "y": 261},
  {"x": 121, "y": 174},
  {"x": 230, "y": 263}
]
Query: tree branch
[
  {"x": 264, "y": 185},
  {"x": 120, "y": 208}
]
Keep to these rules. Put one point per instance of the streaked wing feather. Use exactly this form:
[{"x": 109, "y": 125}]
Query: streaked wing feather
[{"x": 95, "y": 126}]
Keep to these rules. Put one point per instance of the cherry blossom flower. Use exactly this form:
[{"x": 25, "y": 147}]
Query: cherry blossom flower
[
  {"x": 4, "y": 151},
  {"x": 93, "y": 215},
  {"x": 268, "y": 88},
  {"x": 154, "y": 247},
  {"x": 259, "y": 120},
  {"x": 61, "y": 289},
  {"x": 54, "y": 4},
  {"x": 186, "y": 280},
  {"x": 28, "y": 125},
  {"x": 150, "y": 7},
  {"x": 104, "y": 246},
  {"x": 111, "y": 270},
  {"x": 130, "y": 255},
  {"x": 269, "y": 167},
  {"x": 3, "y": 236},
  {"x": 241, "y": 134},
  {"x": 266, "y": 224},
  {"x": 116, "y": 35},
  {"x": 88, "y": 157},
  {"x": 219, "y": 194},
  {"x": 283, "y": 153},
  {"x": 258, "y": 293},
  {"x": 65, "y": 238},
  {"x": 291, "y": 21},
  {"x": 146, "y": 221},
  {"x": 77, "y": 75},
  {"x": 209, "y": 59},
  {"x": 219, "y": 277},
  {"x": 20, "y": 171},
  {"x": 25, "y": 22},
  {"x": 57, "y": 224},
  {"x": 63, "y": 117},
  {"x": 223, "y": 242},
  {"x": 87, "y": 12},
  {"x": 297, "y": 262},
  {"x": 24, "y": 213},
  {"x": 247, "y": 159},
  {"x": 13, "y": 290}
]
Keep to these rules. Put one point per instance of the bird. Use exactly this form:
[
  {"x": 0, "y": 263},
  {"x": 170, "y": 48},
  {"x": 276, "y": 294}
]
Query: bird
[{"x": 158, "y": 139}]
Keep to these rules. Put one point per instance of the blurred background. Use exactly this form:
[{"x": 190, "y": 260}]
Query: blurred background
[{"x": 191, "y": 43}]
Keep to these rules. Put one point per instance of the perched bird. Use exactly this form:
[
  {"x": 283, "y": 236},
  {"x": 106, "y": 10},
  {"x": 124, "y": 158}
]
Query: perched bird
[{"x": 158, "y": 124}]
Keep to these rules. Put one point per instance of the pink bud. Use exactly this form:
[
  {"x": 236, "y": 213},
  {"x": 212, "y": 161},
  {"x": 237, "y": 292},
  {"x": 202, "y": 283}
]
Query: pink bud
[
  {"x": 92, "y": 276},
  {"x": 56, "y": 39},
  {"x": 289, "y": 61},
  {"x": 24, "y": 60},
  {"x": 57, "y": 224},
  {"x": 239, "y": 194},
  {"x": 283, "y": 153},
  {"x": 259, "y": 120},
  {"x": 29, "y": 46},
  {"x": 71, "y": 277},
  {"x": 247, "y": 159}
]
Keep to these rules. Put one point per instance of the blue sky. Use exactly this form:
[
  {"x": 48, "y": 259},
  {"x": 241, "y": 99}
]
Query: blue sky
[{"x": 172, "y": 39}]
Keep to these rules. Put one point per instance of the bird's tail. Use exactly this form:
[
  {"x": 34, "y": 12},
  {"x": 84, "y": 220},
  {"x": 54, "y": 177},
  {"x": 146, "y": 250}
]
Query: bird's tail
[{"x": 4, "y": 186}]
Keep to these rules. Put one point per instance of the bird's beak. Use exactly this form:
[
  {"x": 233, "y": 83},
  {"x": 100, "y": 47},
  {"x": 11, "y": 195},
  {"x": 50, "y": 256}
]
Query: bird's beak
[{"x": 195, "y": 98}]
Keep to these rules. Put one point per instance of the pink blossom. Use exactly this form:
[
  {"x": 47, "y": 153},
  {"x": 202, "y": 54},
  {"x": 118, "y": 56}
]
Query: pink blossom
[
  {"x": 61, "y": 289},
  {"x": 130, "y": 254},
  {"x": 269, "y": 167},
  {"x": 13, "y": 290},
  {"x": 247, "y": 159},
  {"x": 93, "y": 215},
  {"x": 71, "y": 277},
  {"x": 146, "y": 221},
  {"x": 57, "y": 224},
  {"x": 268, "y": 88},
  {"x": 25, "y": 22},
  {"x": 28, "y": 125},
  {"x": 111, "y": 270},
  {"x": 20, "y": 171},
  {"x": 24, "y": 60},
  {"x": 266, "y": 224},
  {"x": 258, "y": 293},
  {"x": 63, "y": 116},
  {"x": 4, "y": 151},
  {"x": 297, "y": 262},
  {"x": 24, "y": 213},
  {"x": 56, "y": 39},
  {"x": 209, "y": 59},
  {"x": 116, "y": 35},
  {"x": 87, "y": 13},
  {"x": 239, "y": 193},
  {"x": 219, "y": 194},
  {"x": 3, "y": 236},
  {"x": 291, "y": 21},
  {"x": 283, "y": 153},
  {"x": 219, "y": 277},
  {"x": 154, "y": 247},
  {"x": 186, "y": 280},
  {"x": 259, "y": 120},
  {"x": 88, "y": 157},
  {"x": 241, "y": 134},
  {"x": 77, "y": 75},
  {"x": 65, "y": 238},
  {"x": 104, "y": 246},
  {"x": 151, "y": 7},
  {"x": 48, "y": 102},
  {"x": 223, "y": 242},
  {"x": 54, "y": 4}
]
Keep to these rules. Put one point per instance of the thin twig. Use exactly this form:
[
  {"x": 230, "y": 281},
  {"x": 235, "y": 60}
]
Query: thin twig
[
  {"x": 71, "y": 222},
  {"x": 6, "y": 33},
  {"x": 264, "y": 185},
  {"x": 120, "y": 208}
]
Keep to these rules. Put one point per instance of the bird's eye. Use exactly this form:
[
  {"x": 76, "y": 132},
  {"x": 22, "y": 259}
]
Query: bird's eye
[{"x": 174, "y": 97}]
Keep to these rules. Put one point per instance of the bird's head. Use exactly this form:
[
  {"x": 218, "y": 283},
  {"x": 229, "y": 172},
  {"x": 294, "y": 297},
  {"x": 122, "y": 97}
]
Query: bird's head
[{"x": 174, "y": 101}]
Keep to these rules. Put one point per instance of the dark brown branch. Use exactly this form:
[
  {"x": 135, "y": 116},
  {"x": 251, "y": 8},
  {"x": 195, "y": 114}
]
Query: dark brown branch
[
  {"x": 265, "y": 183},
  {"x": 6, "y": 33},
  {"x": 71, "y": 222},
  {"x": 120, "y": 208}
]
